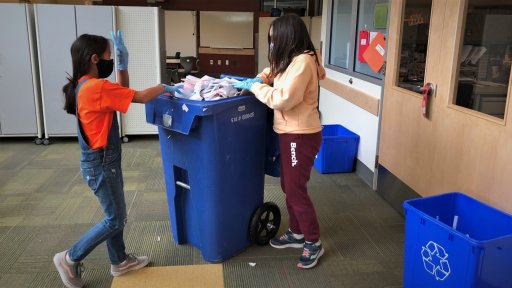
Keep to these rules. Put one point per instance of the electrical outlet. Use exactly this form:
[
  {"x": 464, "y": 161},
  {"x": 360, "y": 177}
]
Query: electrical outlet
[
  {"x": 211, "y": 62},
  {"x": 219, "y": 62},
  {"x": 227, "y": 62}
]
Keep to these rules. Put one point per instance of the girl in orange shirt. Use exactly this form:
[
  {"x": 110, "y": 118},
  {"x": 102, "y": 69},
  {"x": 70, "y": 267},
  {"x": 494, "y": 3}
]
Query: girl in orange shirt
[{"x": 95, "y": 101}]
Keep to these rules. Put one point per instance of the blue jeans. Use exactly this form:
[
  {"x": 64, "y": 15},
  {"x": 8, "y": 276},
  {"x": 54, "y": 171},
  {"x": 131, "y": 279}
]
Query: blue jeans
[{"x": 106, "y": 181}]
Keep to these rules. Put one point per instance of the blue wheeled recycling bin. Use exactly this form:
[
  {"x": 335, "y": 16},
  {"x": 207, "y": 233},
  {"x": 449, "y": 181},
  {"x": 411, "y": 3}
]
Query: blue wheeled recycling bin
[
  {"x": 213, "y": 156},
  {"x": 453, "y": 240},
  {"x": 338, "y": 150}
]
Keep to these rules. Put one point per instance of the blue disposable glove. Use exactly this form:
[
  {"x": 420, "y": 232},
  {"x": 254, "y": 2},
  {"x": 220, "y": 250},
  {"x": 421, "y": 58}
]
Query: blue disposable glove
[
  {"x": 121, "y": 51},
  {"x": 178, "y": 88},
  {"x": 246, "y": 84}
]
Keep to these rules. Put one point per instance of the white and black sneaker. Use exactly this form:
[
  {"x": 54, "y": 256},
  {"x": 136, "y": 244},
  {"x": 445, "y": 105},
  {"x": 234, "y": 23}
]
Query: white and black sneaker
[{"x": 287, "y": 240}]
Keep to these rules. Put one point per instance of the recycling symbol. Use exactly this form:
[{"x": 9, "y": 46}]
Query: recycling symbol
[{"x": 435, "y": 260}]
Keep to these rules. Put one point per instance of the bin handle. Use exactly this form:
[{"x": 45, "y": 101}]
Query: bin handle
[{"x": 181, "y": 184}]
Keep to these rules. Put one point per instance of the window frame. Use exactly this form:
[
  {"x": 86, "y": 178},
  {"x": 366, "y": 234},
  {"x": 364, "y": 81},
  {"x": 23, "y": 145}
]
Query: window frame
[
  {"x": 350, "y": 71},
  {"x": 454, "y": 86}
]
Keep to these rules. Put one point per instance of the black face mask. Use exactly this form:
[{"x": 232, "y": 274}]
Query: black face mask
[{"x": 105, "y": 67}]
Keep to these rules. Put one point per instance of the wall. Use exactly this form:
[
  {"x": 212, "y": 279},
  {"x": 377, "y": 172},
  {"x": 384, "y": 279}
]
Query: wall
[
  {"x": 315, "y": 31},
  {"x": 67, "y": 2},
  {"x": 336, "y": 109},
  {"x": 45, "y": 1},
  {"x": 180, "y": 33},
  {"x": 190, "y": 5},
  {"x": 227, "y": 61},
  {"x": 228, "y": 48},
  {"x": 236, "y": 64},
  {"x": 209, "y": 5},
  {"x": 246, "y": 63}
]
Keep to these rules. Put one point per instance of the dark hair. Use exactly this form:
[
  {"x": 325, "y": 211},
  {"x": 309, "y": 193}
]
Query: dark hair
[
  {"x": 81, "y": 51},
  {"x": 290, "y": 38}
]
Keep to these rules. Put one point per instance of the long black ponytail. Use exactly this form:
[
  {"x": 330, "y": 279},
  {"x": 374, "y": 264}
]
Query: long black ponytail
[{"x": 81, "y": 51}]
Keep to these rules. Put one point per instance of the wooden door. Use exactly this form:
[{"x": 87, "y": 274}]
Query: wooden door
[{"x": 460, "y": 146}]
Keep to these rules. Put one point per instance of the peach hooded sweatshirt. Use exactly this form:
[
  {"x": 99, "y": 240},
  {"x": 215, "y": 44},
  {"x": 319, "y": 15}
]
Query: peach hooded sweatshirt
[{"x": 294, "y": 96}]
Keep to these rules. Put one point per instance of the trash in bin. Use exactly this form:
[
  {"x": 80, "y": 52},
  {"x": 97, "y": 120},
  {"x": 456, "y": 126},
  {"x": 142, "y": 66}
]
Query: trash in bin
[
  {"x": 453, "y": 240},
  {"x": 213, "y": 157},
  {"x": 338, "y": 150},
  {"x": 207, "y": 88}
]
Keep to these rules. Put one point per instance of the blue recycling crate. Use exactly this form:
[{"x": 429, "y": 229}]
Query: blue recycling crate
[
  {"x": 338, "y": 150},
  {"x": 213, "y": 157},
  {"x": 453, "y": 240}
]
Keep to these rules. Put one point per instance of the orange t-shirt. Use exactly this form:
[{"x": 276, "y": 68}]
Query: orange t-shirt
[{"x": 97, "y": 99}]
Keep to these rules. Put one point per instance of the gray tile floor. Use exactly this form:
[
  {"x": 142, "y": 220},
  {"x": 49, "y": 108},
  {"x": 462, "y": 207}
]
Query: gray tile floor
[{"x": 45, "y": 206}]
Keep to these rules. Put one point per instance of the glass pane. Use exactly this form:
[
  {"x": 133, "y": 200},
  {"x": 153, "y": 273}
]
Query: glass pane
[
  {"x": 372, "y": 19},
  {"x": 485, "y": 57},
  {"x": 298, "y": 7},
  {"x": 340, "y": 33},
  {"x": 413, "y": 50}
]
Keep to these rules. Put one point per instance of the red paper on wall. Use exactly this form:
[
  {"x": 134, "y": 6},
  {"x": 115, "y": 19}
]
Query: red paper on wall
[
  {"x": 374, "y": 54},
  {"x": 364, "y": 42}
]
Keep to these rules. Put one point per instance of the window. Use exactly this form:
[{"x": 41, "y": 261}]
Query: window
[
  {"x": 356, "y": 22},
  {"x": 372, "y": 19},
  {"x": 485, "y": 58},
  {"x": 341, "y": 41},
  {"x": 413, "y": 47},
  {"x": 298, "y": 7}
]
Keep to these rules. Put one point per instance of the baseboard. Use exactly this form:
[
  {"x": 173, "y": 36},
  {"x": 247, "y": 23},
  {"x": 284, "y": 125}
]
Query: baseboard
[
  {"x": 364, "y": 173},
  {"x": 393, "y": 190}
]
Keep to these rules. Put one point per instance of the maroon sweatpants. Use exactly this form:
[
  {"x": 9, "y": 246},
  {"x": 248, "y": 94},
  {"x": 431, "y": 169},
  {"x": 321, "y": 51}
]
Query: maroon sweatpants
[{"x": 298, "y": 153}]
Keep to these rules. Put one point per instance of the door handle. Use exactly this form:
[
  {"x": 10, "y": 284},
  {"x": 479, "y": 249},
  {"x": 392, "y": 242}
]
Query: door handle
[
  {"x": 421, "y": 89},
  {"x": 427, "y": 90}
]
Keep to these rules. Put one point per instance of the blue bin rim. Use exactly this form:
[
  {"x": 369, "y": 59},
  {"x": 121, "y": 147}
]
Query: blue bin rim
[
  {"x": 203, "y": 108},
  {"x": 190, "y": 110},
  {"x": 406, "y": 204},
  {"x": 351, "y": 133}
]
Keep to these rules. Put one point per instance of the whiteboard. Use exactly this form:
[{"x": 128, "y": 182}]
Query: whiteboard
[{"x": 226, "y": 29}]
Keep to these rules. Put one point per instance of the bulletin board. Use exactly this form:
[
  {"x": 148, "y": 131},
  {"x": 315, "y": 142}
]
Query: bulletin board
[{"x": 226, "y": 29}]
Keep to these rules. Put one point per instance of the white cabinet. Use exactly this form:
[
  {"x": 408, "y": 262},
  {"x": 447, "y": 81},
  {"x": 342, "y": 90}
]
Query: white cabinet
[
  {"x": 57, "y": 27},
  {"x": 19, "y": 94},
  {"x": 143, "y": 34}
]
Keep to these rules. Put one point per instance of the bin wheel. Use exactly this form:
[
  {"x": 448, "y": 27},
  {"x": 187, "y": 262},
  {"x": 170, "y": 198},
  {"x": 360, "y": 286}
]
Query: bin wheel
[
  {"x": 265, "y": 223},
  {"x": 39, "y": 141},
  {"x": 46, "y": 141},
  {"x": 125, "y": 139}
]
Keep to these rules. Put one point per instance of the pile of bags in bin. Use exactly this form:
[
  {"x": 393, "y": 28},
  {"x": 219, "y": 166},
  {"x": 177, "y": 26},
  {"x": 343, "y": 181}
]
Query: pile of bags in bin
[{"x": 207, "y": 88}]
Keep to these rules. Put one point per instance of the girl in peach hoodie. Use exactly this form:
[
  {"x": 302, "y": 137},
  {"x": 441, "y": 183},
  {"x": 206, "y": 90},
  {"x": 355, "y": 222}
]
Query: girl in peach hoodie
[{"x": 295, "y": 69}]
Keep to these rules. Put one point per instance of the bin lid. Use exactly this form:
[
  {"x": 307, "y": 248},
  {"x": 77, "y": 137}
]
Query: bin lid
[{"x": 165, "y": 110}]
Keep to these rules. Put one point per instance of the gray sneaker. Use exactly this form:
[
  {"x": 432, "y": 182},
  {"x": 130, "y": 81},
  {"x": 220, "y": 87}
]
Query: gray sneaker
[
  {"x": 131, "y": 263},
  {"x": 287, "y": 241},
  {"x": 71, "y": 274}
]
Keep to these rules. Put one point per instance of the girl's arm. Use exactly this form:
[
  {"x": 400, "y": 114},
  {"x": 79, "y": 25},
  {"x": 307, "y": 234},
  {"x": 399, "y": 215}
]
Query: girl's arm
[
  {"x": 292, "y": 86},
  {"x": 147, "y": 95},
  {"x": 123, "y": 78}
]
